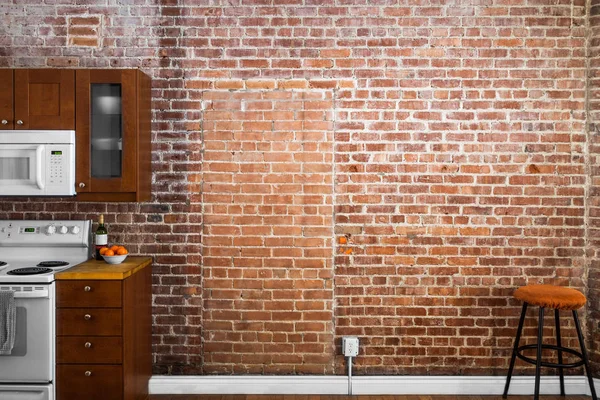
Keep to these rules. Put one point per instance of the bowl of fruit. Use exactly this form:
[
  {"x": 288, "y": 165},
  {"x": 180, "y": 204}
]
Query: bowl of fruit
[{"x": 114, "y": 254}]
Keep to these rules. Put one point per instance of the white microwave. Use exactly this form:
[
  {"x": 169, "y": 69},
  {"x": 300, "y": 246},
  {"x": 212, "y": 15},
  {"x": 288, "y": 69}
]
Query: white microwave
[{"x": 37, "y": 163}]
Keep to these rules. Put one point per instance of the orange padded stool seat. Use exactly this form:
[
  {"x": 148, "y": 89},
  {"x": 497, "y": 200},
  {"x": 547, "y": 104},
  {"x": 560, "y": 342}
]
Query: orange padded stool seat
[{"x": 556, "y": 297}]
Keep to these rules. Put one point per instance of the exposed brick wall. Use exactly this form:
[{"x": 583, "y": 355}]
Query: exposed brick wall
[
  {"x": 593, "y": 209},
  {"x": 390, "y": 169}
]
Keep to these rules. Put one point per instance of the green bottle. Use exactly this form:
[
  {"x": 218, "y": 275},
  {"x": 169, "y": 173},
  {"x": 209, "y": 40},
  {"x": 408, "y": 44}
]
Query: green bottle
[{"x": 101, "y": 237}]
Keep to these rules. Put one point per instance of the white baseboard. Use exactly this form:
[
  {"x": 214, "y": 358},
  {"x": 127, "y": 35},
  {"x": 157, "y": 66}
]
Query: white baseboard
[
  {"x": 365, "y": 385},
  {"x": 248, "y": 384},
  {"x": 465, "y": 385}
]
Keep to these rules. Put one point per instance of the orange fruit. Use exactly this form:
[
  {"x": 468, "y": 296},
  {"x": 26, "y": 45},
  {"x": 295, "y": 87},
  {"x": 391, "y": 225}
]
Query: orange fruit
[
  {"x": 109, "y": 253},
  {"x": 122, "y": 251},
  {"x": 114, "y": 247},
  {"x": 103, "y": 250}
]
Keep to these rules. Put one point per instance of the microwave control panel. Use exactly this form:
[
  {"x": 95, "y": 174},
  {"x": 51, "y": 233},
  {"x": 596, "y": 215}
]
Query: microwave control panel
[
  {"x": 58, "y": 161},
  {"x": 60, "y": 169}
]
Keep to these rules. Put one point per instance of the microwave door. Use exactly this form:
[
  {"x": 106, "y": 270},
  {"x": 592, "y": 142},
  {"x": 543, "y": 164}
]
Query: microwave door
[{"x": 22, "y": 170}]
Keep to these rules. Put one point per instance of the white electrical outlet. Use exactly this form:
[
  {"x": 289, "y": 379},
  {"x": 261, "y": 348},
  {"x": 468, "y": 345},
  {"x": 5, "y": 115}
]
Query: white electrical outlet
[{"x": 350, "y": 346}]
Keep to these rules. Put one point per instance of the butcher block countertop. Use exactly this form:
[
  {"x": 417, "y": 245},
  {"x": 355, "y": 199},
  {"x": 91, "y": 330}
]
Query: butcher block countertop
[{"x": 100, "y": 270}]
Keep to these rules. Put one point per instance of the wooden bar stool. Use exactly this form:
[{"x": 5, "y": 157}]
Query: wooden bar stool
[{"x": 557, "y": 298}]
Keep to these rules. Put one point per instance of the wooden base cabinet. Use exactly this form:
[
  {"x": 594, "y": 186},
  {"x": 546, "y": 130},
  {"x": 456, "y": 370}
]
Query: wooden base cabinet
[{"x": 103, "y": 345}]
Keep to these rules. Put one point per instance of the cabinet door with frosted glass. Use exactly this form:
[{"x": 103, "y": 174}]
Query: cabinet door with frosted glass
[{"x": 106, "y": 131}]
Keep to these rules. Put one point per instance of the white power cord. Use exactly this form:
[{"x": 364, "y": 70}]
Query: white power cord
[{"x": 349, "y": 376}]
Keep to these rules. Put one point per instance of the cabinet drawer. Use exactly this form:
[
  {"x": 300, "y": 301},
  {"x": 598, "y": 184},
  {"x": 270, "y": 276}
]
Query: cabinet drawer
[
  {"x": 89, "y": 382},
  {"x": 88, "y": 322},
  {"x": 102, "y": 294},
  {"x": 89, "y": 350}
]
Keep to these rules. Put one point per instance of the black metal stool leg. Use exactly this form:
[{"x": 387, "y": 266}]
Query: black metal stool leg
[
  {"x": 560, "y": 357},
  {"x": 586, "y": 361},
  {"x": 538, "y": 365},
  {"x": 514, "y": 352}
]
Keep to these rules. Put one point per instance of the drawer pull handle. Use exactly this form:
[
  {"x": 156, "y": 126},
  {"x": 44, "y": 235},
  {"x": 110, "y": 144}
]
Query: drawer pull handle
[
  {"x": 87, "y": 317},
  {"x": 81, "y": 184},
  {"x": 19, "y": 122},
  {"x": 88, "y": 373},
  {"x": 4, "y": 122},
  {"x": 87, "y": 345},
  {"x": 87, "y": 289}
]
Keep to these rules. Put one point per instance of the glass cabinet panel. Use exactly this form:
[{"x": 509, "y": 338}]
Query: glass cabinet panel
[{"x": 106, "y": 130}]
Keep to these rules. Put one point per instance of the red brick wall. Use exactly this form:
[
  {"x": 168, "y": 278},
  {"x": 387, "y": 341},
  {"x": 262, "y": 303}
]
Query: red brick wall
[
  {"x": 593, "y": 209},
  {"x": 386, "y": 169},
  {"x": 268, "y": 229}
]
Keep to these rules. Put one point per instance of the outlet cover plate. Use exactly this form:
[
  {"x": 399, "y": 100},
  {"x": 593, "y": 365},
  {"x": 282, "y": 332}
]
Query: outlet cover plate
[{"x": 350, "y": 346}]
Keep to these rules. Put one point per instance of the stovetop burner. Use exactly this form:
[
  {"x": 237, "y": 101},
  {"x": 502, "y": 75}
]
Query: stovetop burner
[
  {"x": 2, "y": 263},
  {"x": 52, "y": 264},
  {"x": 29, "y": 271}
]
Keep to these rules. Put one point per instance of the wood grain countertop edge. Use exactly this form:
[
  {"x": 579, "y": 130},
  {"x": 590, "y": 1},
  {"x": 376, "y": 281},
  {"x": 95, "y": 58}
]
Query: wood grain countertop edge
[{"x": 100, "y": 270}]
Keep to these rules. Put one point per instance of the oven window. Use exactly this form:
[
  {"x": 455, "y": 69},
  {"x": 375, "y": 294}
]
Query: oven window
[{"x": 14, "y": 168}]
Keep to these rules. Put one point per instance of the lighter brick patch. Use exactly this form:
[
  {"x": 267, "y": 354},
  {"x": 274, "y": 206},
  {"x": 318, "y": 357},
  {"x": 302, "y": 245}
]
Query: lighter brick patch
[{"x": 84, "y": 31}]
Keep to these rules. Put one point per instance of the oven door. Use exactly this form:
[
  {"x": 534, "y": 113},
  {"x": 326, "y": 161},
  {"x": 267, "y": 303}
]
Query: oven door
[
  {"x": 31, "y": 358},
  {"x": 22, "y": 169}
]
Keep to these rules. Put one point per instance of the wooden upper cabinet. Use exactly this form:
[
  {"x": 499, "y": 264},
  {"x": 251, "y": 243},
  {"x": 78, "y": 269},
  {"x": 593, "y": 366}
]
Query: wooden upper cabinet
[
  {"x": 113, "y": 135},
  {"x": 6, "y": 99},
  {"x": 44, "y": 99}
]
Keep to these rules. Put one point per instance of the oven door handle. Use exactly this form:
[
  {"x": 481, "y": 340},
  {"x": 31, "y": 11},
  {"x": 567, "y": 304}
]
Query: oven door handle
[
  {"x": 38, "y": 172},
  {"x": 37, "y": 294}
]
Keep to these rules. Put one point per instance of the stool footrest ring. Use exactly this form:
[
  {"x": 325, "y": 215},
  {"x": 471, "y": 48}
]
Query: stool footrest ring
[{"x": 548, "y": 364}]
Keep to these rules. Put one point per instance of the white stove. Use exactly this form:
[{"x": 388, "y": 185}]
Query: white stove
[{"x": 31, "y": 252}]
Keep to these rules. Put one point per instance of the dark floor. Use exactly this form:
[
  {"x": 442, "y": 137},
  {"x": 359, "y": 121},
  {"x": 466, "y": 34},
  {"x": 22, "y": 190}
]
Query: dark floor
[{"x": 319, "y": 397}]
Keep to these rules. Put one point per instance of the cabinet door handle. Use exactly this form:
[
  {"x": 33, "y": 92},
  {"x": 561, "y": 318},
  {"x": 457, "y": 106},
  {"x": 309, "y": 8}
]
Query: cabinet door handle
[
  {"x": 87, "y": 317},
  {"x": 4, "y": 122},
  {"x": 81, "y": 184},
  {"x": 88, "y": 373},
  {"x": 19, "y": 122},
  {"x": 87, "y": 289},
  {"x": 87, "y": 345}
]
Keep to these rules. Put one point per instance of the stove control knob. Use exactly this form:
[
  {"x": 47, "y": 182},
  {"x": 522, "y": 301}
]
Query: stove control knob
[
  {"x": 75, "y": 230},
  {"x": 63, "y": 230},
  {"x": 50, "y": 230}
]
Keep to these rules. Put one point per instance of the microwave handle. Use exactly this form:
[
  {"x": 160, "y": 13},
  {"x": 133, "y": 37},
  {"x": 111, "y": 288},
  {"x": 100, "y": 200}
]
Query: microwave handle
[{"x": 38, "y": 173}]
